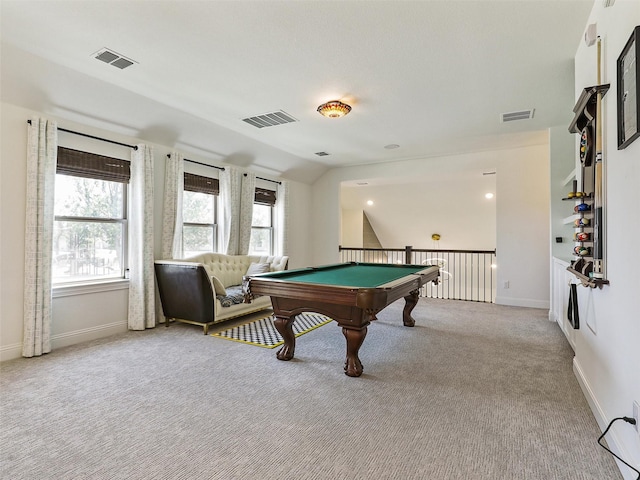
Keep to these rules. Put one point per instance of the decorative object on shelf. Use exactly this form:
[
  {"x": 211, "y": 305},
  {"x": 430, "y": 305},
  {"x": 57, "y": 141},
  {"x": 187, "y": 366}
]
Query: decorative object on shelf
[
  {"x": 581, "y": 237},
  {"x": 581, "y": 222},
  {"x": 582, "y": 207},
  {"x": 574, "y": 193},
  {"x": 582, "y": 250},
  {"x": 628, "y": 89},
  {"x": 334, "y": 109}
]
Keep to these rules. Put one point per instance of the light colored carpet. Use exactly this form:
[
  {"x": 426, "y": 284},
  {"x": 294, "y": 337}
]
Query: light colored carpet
[{"x": 474, "y": 391}]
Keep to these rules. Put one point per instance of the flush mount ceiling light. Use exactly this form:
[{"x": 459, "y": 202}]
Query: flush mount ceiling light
[{"x": 334, "y": 109}]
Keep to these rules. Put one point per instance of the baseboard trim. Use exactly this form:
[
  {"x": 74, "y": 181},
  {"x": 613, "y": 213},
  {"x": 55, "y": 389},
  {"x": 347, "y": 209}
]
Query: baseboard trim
[
  {"x": 11, "y": 352},
  {"x": 522, "y": 302},
  {"x": 613, "y": 442},
  {"x": 87, "y": 334}
]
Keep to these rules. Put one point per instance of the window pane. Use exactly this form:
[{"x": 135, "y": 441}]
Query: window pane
[
  {"x": 260, "y": 243},
  {"x": 261, "y": 215},
  {"x": 87, "y": 250},
  {"x": 88, "y": 197},
  {"x": 197, "y": 239},
  {"x": 198, "y": 208}
]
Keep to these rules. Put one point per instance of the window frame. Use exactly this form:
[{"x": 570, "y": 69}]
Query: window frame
[
  {"x": 265, "y": 197},
  {"x": 213, "y": 226},
  {"x": 75, "y": 164},
  {"x": 209, "y": 186}
]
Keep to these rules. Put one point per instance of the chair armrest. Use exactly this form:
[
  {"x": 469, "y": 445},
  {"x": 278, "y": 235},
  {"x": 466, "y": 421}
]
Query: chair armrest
[{"x": 185, "y": 291}]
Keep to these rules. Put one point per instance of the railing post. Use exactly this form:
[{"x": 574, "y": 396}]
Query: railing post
[{"x": 408, "y": 254}]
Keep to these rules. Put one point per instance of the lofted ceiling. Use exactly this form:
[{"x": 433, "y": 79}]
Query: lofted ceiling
[{"x": 432, "y": 77}]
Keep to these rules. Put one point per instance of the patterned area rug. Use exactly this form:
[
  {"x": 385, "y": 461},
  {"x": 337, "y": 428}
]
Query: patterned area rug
[{"x": 263, "y": 333}]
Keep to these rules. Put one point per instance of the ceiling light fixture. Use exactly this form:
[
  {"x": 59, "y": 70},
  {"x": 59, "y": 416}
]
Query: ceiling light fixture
[{"x": 334, "y": 109}]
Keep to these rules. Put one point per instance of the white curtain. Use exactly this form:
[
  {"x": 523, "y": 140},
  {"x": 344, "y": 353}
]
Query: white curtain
[
  {"x": 247, "y": 198},
  {"x": 172, "y": 208},
  {"x": 230, "y": 189},
  {"x": 42, "y": 154},
  {"x": 141, "y": 277},
  {"x": 282, "y": 219}
]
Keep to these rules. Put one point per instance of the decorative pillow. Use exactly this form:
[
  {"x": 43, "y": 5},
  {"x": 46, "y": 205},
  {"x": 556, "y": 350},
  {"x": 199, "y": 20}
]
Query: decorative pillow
[
  {"x": 218, "y": 286},
  {"x": 256, "y": 268},
  {"x": 234, "y": 296}
]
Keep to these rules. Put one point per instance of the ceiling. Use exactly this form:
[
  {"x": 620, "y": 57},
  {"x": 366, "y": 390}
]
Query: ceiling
[{"x": 430, "y": 76}]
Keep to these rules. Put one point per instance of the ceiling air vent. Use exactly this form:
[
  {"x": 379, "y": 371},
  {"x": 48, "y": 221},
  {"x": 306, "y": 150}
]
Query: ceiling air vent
[
  {"x": 513, "y": 116},
  {"x": 112, "y": 58},
  {"x": 322, "y": 154},
  {"x": 270, "y": 119}
]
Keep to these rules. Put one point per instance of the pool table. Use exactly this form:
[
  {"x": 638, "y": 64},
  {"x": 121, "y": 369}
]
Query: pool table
[{"x": 349, "y": 293}]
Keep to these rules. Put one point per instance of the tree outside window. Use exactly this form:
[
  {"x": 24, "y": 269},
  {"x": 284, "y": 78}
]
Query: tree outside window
[
  {"x": 89, "y": 229},
  {"x": 261, "y": 242},
  {"x": 199, "y": 230}
]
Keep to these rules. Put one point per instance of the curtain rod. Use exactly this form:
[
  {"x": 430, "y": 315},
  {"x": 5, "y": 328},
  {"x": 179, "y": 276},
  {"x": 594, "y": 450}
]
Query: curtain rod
[
  {"x": 198, "y": 163},
  {"x": 266, "y": 179},
  {"x": 94, "y": 137}
]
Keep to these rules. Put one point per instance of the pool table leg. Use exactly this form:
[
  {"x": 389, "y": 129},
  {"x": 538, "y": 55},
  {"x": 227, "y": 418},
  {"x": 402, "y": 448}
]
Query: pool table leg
[
  {"x": 411, "y": 301},
  {"x": 284, "y": 325},
  {"x": 352, "y": 364}
]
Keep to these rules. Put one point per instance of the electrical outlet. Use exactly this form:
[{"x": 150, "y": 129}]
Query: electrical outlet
[
  {"x": 636, "y": 415},
  {"x": 506, "y": 284}
]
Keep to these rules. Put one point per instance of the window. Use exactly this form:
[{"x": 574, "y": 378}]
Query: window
[
  {"x": 199, "y": 214},
  {"x": 90, "y": 217},
  {"x": 262, "y": 223}
]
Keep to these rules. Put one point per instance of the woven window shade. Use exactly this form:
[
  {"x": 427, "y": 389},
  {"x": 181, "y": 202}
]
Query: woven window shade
[
  {"x": 198, "y": 183},
  {"x": 90, "y": 165},
  {"x": 265, "y": 197}
]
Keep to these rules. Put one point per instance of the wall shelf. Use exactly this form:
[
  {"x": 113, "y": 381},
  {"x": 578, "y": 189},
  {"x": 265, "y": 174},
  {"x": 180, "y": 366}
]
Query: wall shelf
[
  {"x": 588, "y": 281},
  {"x": 584, "y": 124}
]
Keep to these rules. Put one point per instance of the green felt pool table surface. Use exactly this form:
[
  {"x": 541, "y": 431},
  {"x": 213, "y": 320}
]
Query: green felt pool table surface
[{"x": 357, "y": 275}]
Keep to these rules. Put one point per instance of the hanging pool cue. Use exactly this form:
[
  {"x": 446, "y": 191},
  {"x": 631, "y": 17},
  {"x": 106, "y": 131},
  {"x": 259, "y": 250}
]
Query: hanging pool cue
[{"x": 598, "y": 237}]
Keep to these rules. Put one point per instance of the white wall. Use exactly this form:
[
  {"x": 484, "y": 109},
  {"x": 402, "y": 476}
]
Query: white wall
[
  {"x": 522, "y": 212},
  {"x": 409, "y": 212},
  {"x": 607, "y": 345},
  {"x": 523, "y": 228},
  {"x": 562, "y": 162},
  {"x": 351, "y": 227},
  {"x": 89, "y": 315}
]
